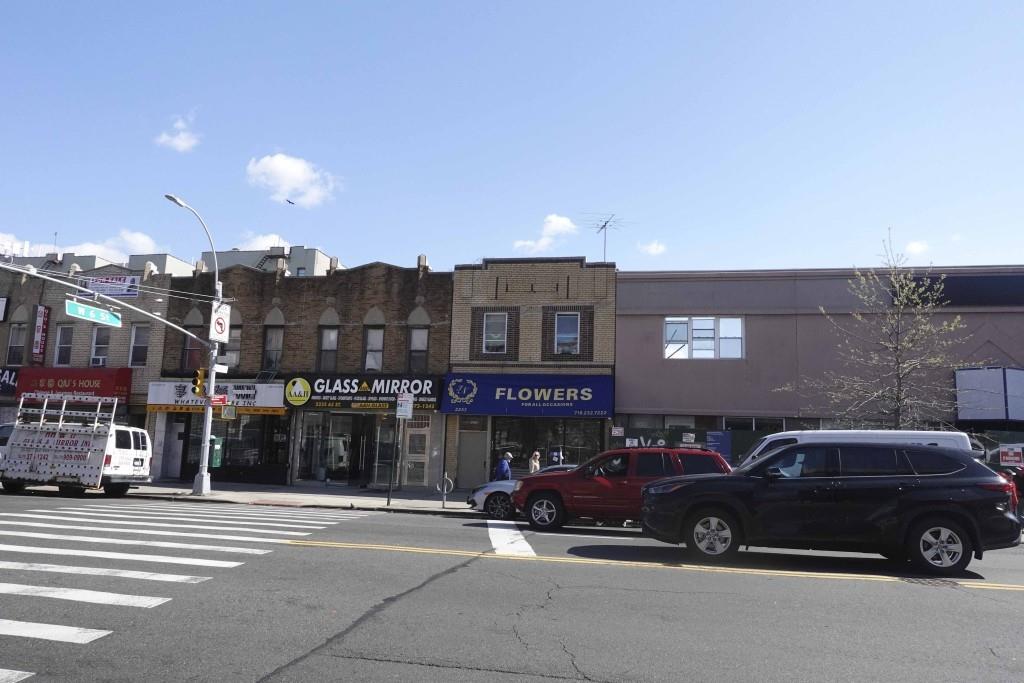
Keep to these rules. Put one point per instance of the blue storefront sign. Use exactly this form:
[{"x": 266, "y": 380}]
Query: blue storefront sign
[
  {"x": 721, "y": 442},
  {"x": 537, "y": 395}
]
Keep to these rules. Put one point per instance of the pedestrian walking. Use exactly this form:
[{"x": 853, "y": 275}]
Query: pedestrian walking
[
  {"x": 535, "y": 462},
  {"x": 503, "y": 470}
]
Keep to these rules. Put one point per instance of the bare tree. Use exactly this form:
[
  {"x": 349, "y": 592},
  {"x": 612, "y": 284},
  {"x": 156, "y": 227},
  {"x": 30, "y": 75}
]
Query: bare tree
[{"x": 897, "y": 349}]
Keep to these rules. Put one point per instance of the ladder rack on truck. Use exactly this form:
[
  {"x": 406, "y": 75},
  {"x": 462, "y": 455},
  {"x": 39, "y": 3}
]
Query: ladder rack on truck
[{"x": 67, "y": 440}]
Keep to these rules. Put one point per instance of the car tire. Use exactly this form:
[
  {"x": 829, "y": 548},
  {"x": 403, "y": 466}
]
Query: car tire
[
  {"x": 13, "y": 486},
  {"x": 115, "y": 490},
  {"x": 545, "y": 512},
  {"x": 711, "y": 535},
  {"x": 940, "y": 546},
  {"x": 499, "y": 506}
]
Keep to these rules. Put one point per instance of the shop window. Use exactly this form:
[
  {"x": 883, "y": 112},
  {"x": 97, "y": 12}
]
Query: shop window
[
  {"x": 495, "y": 332},
  {"x": 100, "y": 347},
  {"x": 192, "y": 356},
  {"x": 739, "y": 423},
  {"x": 273, "y": 345},
  {"x": 687, "y": 421},
  {"x": 645, "y": 421},
  {"x": 62, "y": 354},
  {"x": 703, "y": 337},
  {"x": 16, "y": 345},
  {"x": 327, "y": 357},
  {"x": 140, "y": 346},
  {"x": 567, "y": 333},
  {"x": 373, "y": 342},
  {"x": 418, "y": 338},
  {"x": 769, "y": 424}
]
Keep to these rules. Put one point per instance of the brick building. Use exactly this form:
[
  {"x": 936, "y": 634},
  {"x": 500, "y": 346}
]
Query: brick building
[
  {"x": 315, "y": 364},
  {"x": 532, "y": 363},
  {"x": 49, "y": 351}
]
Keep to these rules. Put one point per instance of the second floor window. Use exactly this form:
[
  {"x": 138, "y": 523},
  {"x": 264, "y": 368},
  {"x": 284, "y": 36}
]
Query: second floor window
[
  {"x": 192, "y": 355},
  {"x": 16, "y": 345},
  {"x": 273, "y": 343},
  {"x": 373, "y": 342},
  {"x": 233, "y": 349},
  {"x": 567, "y": 333},
  {"x": 418, "y": 337},
  {"x": 703, "y": 337},
  {"x": 100, "y": 346},
  {"x": 140, "y": 345},
  {"x": 62, "y": 354},
  {"x": 327, "y": 360},
  {"x": 495, "y": 332}
]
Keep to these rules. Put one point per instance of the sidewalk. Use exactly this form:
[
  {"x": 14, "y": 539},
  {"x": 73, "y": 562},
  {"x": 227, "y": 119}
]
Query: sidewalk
[{"x": 310, "y": 494}]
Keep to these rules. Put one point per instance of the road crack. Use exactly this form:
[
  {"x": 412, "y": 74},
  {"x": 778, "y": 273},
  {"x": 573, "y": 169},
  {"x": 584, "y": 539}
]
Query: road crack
[
  {"x": 456, "y": 667},
  {"x": 572, "y": 660}
]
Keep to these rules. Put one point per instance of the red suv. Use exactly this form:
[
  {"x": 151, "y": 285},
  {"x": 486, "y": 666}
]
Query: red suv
[{"x": 608, "y": 486}]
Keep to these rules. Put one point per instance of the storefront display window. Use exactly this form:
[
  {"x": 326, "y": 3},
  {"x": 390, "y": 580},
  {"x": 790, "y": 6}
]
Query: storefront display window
[
  {"x": 254, "y": 448},
  {"x": 560, "y": 441}
]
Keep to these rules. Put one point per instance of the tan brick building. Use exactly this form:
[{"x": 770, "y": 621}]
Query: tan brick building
[
  {"x": 336, "y": 340},
  {"x": 532, "y": 363}
]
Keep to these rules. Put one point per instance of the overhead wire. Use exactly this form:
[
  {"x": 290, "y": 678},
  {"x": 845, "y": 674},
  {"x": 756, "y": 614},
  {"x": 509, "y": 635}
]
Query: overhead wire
[{"x": 149, "y": 289}]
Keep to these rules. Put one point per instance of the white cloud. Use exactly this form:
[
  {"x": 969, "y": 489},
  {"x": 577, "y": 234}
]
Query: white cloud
[
  {"x": 554, "y": 226},
  {"x": 182, "y": 139},
  {"x": 916, "y": 247},
  {"x": 653, "y": 248},
  {"x": 115, "y": 249},
  {"x": 291, "y": 178},
  {"x": 254, "y": 242}
]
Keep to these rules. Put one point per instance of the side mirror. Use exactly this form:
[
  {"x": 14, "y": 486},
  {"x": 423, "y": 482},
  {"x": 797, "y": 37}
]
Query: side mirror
[{"x": 773, "y": 473}]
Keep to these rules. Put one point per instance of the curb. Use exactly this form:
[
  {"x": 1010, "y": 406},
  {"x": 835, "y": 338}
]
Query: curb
[{"x": 187, "y": 498}]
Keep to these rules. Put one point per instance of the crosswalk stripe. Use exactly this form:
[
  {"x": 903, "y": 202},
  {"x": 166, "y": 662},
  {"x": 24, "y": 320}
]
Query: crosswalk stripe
[
  {"x": 62, "y": 518},
  {"x": 145, "y": 532},
  {"x": 63, "y": 634},
  {"x": 507, "y": 539},
  {"x": 100, "y": 571},
  {"x": 82, "y": 595},
  {"x": 125, "y": 541},
  {"x": 219, "y": 511},
  {"x": 172, "y": 517},
  {"x": 166, "y": 559},
  {"x": 12, "y": 676}
]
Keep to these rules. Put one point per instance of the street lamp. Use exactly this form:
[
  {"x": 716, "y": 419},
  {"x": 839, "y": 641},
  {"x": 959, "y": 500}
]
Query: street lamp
[{"x": 201, "y": 484}]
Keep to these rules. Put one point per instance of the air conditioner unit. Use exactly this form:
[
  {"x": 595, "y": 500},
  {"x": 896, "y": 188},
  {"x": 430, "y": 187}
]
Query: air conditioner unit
[{"x": 98, "y": 362}]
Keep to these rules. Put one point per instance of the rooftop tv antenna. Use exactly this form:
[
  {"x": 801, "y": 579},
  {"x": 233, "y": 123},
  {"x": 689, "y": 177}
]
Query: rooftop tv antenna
[{"x": 603, "y": 227}]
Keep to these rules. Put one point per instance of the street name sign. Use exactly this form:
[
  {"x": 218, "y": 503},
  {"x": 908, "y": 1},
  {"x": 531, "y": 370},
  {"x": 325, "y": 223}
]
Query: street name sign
[{"x": 93, "y": 314}]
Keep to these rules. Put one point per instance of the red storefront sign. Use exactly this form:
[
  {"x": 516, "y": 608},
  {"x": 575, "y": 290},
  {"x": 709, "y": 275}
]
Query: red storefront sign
[{"x": 109, "y": 382}]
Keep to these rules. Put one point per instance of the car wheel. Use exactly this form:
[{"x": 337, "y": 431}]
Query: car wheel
[
  {"x": 545, "y": 512},
  {"x": 13, "y": 486},
  {"x": 711, "y": 535},
  {"x": 115, "y": 490},
  {"x": 939, "y": 546},
  {"x": 499, "y": 506}
]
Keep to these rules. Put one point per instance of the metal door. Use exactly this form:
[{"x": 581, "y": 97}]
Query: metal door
[
  {"x": 472, "y": 459},
  {"x": 414, "y": 450}
]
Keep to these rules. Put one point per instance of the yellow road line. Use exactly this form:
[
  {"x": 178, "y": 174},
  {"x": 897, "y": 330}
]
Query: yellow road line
[{"x": 708, "y": 569}]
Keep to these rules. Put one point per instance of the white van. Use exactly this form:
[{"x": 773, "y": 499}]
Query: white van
[
  {"x": 71, "y": 442},
  {"x": 5, "y": 434},
  {"x": 957, "y": 440}
]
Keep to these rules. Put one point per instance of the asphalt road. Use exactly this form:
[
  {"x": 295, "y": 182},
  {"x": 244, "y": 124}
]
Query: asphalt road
[{"x": 401, "y": 597}]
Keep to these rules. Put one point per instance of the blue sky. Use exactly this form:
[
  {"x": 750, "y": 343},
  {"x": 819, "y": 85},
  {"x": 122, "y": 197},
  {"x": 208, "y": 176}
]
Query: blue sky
[{"x": 721, "y": 135}]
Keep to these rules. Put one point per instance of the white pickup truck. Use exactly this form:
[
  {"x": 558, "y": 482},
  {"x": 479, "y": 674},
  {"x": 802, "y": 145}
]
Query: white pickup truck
[{"x": 71, "y": 442}]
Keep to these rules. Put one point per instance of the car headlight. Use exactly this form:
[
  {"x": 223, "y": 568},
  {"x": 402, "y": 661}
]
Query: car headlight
[
  {"x": 519, "y": 485},
  {"x": 664, "y": 488}
]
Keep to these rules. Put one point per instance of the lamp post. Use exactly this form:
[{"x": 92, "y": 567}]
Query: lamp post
[{"x": 201, "y": 484}]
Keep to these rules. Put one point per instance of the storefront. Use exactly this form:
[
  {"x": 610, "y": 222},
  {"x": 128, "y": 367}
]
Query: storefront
[
  {"x": 8, "y": 387},
  {"x": 344, "y": 429},
  {"x": 105, "y": 382},
  {"x": 564, "y": 417},
  {"x": 253, "y": 443}
]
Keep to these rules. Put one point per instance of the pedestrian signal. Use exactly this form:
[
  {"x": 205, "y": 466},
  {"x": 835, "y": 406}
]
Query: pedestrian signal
[{"x": 199, "y": 381}]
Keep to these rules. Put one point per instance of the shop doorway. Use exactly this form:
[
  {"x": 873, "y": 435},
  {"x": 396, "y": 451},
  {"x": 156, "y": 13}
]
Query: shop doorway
[
  {"x": 472, "y": 459},
  {"x": 335, "y": 446}
]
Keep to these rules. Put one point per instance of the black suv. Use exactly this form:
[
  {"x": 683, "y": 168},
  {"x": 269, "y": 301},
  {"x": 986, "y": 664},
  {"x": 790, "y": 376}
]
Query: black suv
[{"x": 933, "y": 506}]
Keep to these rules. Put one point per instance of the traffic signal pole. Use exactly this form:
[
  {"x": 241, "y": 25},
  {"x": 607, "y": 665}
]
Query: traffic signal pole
[{"x": 201, "y": 484}]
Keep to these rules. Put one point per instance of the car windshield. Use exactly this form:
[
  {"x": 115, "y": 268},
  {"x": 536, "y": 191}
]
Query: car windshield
[
  {"x": 750, "y": 463},
  {"x": 757, "y": 444}
]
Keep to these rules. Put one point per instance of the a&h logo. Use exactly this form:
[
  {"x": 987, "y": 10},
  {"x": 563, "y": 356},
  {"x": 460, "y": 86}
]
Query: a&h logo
[
  {"x": 462, "y": 390},
  {"x": 297, "y": 392}
]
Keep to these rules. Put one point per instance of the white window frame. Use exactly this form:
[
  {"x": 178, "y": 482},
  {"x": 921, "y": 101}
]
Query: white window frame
[
  {"x": 57, "y": 346},
  {"x": 24, "y": 342},
  {"x": 689, "y": 341},
  {"x": 504, "y": 337},
  {"x": 567, "y": 314},
  {"x": 92, "y": 349},
  {"x": 131, "y": 349}
]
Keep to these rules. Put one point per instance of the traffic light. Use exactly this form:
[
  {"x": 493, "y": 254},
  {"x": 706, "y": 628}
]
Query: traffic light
[{"x": 199, "y": 382}]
